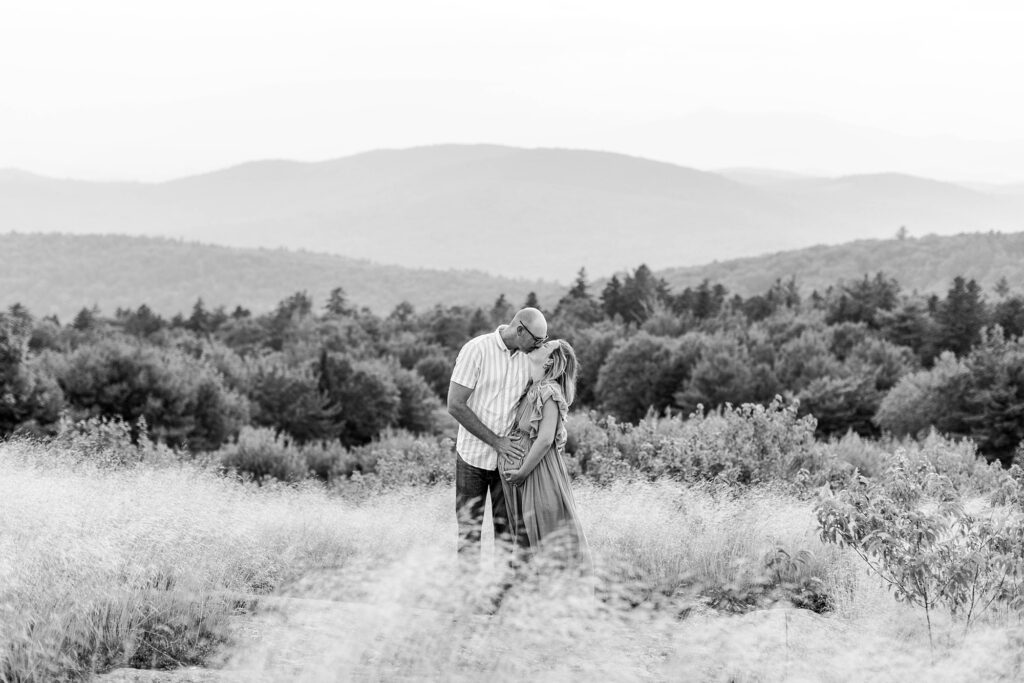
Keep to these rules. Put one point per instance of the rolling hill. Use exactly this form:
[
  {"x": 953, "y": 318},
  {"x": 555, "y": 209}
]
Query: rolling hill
[
  {"x": 926, "y": 264},
  {"x": 525, "y": 213},
  {"x": 61, "y": 274}
]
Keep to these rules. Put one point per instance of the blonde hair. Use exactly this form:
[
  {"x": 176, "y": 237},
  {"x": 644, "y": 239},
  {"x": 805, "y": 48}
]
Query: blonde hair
[{"x": 563, "y": 369}]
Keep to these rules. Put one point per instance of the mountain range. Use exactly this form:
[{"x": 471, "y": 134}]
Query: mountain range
[{"x": 536, "y": 214}]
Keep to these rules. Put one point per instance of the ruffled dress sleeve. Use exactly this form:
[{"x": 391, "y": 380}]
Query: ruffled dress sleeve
[{"x": 538, "y": 396}]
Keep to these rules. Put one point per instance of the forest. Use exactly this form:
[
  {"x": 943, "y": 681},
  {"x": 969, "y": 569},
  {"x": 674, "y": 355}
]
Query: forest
[{"x": 861, "y": 356}]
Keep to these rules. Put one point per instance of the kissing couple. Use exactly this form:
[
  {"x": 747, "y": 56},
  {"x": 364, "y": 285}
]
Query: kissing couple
[{"x": 510, "y": 392}]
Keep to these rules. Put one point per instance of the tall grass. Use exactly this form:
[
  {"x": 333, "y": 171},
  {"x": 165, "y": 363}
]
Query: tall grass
[{"x": 156, "y": 565}]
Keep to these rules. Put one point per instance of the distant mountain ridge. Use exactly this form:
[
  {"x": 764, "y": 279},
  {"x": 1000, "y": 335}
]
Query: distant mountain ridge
[{"x": 527, "y": 213}]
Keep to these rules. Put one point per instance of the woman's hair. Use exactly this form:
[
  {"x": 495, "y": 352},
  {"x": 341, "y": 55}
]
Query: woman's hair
[{"x": 564, "y": 368}]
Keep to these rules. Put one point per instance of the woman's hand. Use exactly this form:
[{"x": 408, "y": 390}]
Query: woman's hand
[{"x": 515, "y": 477}]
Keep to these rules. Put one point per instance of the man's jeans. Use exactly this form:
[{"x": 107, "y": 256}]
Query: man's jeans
[{"x": 471, "y": 487}]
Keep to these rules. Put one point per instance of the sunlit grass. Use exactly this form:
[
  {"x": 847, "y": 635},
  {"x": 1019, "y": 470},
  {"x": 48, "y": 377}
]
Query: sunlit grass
[{"x": 103, "y": 568}]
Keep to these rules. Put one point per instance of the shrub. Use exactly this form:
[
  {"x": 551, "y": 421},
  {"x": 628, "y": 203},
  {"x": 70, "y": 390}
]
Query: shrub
[
  {"x": 868, "y": 456},
  {"x": 745, "y": 444},
  {"x": 911, "y": 529},
  {"x": 109, "y": 443},
  {"x": 956, "y": 462},
  {"x": 400, "y": 458},
  {"x": 262, "y": 454}
]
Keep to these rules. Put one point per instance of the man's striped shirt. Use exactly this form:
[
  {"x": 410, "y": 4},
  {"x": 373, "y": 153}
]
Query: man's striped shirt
[{"x": 498, "y": 377}]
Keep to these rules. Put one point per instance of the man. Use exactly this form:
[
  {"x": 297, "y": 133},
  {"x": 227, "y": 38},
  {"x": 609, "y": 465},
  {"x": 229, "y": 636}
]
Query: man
[{"x": 491, "y": 373}]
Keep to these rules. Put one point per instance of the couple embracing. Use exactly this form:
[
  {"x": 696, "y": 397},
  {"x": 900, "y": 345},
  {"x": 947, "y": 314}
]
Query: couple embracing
[{"x": 510, "y": 393}]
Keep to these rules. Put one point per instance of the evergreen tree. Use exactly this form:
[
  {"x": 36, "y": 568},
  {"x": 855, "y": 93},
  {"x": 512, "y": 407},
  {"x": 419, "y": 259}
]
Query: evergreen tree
[
  {"x": 143, "y": 322},
  {"x": 403, "y": 313},
  {"x": 578, "y": 308},
  {"x": 86, "y": 319},
  {"x": 862, "y": 301},
  {"x": 531, "y": 301},
  {"x": 960, "y": 317},
  {"x": 579, "y": 287},
  {"x": 199, "y": 321},
  {"x": 1009, "y": 314},
  {"x": 479, "y": 323},
  {"x": 337, "y": 303},
  {"x": 640, "y": 295},
  {"x": 611, "y": 298},
  {"x": 501, "y": 312}
]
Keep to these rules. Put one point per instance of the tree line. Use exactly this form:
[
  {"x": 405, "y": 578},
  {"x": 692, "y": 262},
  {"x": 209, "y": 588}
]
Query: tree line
[{"x": 862, "y": 356}]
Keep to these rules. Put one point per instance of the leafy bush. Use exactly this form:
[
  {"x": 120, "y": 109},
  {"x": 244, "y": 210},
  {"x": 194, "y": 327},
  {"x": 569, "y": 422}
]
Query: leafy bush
[
  {"x": 397, "y": 458},
  {"x": 109, "y": 442},
  {"x": 400, "y": 458},
  {"x": 955, "y": 462},
  {"x": 911, "y": 528},
  {"x": 869, "y": 457},
  {"x": 746, "y": 444},
  {"x": 263, "y": 454}
]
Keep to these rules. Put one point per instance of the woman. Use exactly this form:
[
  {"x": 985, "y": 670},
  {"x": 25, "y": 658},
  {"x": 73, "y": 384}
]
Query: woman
[{"x": 541, "y": 507}]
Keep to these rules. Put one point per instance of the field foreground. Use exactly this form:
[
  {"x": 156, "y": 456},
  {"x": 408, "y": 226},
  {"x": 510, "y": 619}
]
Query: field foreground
[{"x": 104, "y": 572}]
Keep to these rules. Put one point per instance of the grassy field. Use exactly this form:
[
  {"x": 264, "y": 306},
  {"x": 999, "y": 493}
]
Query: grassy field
[{"x": 156, "y": 566}]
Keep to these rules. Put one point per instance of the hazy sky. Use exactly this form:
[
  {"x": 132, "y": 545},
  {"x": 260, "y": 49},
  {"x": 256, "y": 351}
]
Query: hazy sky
[{"x": 131, "y": 89}]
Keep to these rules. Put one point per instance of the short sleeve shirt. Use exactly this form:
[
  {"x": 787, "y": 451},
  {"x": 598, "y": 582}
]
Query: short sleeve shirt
[{"x": 498, "y": 377}]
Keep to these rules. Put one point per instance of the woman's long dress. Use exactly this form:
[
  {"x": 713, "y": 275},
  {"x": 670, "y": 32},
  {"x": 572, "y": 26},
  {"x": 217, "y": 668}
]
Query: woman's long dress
[{"x": 542, "y": 511}]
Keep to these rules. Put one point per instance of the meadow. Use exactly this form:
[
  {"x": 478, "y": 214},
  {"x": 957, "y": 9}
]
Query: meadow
[{"x": 112, "y": 560}]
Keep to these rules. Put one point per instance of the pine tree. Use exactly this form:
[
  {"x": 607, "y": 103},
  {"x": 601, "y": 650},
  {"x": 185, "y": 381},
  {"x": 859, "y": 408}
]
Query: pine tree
[
  {"x": 611, "y": 297},
  {"x": 501, "y": 312},
  {"x": 960, "y": 317},
  {"x": 337, "y": 303},
  {"x": 199, "y": 321},
  {"x": 580, "y": 286},
  {"x": 85, "y": 320}
]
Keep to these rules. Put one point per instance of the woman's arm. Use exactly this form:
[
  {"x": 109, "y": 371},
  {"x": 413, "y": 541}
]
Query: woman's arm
[{"x": 545, "y": 438}]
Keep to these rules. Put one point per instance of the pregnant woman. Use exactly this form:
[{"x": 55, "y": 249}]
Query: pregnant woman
[{"x": 541, "y": 507}]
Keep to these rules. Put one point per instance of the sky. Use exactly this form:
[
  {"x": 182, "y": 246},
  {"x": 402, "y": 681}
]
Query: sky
[{"x": 136, "y": 90}]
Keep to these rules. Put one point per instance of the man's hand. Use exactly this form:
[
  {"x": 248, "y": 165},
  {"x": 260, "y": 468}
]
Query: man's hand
[{"x": 506, "y": 446}]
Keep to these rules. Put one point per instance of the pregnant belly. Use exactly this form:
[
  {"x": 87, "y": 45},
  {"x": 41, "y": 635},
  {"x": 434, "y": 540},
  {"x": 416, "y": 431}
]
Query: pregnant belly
[{"x": 510, "y": 462}]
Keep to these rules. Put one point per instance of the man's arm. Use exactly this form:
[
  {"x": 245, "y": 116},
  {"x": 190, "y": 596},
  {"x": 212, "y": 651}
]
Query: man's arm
[{"x": 458, "y": 395}]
